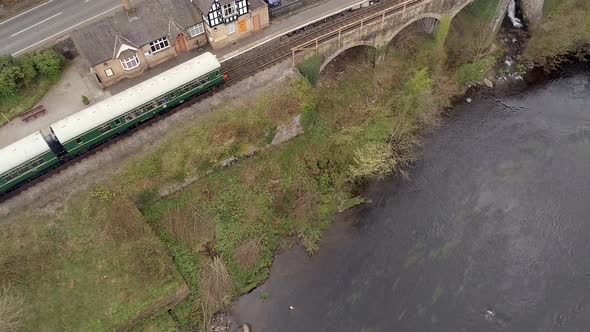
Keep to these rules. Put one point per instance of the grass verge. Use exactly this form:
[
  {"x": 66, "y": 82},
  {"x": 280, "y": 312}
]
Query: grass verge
[{"x": 92, "y": 268}]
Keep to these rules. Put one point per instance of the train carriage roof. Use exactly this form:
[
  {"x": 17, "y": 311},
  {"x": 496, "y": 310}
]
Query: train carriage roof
[
  {"x": 112, "y": 107},
  {"x": 22, "y": 151}
]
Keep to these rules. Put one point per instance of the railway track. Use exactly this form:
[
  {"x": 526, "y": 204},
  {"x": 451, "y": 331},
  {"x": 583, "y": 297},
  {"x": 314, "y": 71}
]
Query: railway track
[
  {"x": 238, "y": 68},
  {"x": 258, "y": 58}
]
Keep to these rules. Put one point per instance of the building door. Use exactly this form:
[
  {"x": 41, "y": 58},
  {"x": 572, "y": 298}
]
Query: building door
[
  {"x": 180, "y": 44},
  {"x": 256, "y": 23}
]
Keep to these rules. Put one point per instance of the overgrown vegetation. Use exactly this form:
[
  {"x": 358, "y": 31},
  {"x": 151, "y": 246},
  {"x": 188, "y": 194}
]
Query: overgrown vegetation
[
  {"x": 469, "y": 42},
  {"x": 565, "y": 31},
  {"x": 310, "y": 68},
  {"x": 25, "y": 79},
  {"x": 90, "y": 269},
  {"x": 229, "y": 223}
]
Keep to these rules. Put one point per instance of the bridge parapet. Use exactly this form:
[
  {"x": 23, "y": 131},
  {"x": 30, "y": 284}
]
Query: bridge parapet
[{"x": 377, "y": 30}]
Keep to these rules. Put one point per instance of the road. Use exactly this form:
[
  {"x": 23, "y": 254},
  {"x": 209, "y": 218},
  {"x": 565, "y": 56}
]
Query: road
[{"x": 49, "y": 20}]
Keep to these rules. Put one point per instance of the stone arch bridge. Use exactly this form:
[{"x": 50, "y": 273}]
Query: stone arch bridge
[{"x": 379, "y": 29}]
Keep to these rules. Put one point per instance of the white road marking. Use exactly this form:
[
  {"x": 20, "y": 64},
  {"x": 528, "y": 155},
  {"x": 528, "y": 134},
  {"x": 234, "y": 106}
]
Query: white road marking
[
  {"x": 59, "y": 33},
  {"x": 12, "y": 18},
  {"x": 36, "y": 24}
]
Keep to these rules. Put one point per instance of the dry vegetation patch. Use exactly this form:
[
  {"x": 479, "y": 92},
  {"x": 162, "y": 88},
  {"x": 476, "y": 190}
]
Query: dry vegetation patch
[
  {"x": 216, "y": 287},
  {"x": 247, "y": 253},
  {"x": 12, "y": 310},
  {"x": 187, "y": 225}
]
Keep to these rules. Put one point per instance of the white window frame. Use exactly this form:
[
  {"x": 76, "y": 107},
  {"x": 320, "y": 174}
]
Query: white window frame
[
  {"x": 230, "y": 7},
  {"x": 159, "y": 44},
  {"x": 130, "y": 63},
  {"x": 195, "y": 30},
  {"x": 109, "y": 72}
]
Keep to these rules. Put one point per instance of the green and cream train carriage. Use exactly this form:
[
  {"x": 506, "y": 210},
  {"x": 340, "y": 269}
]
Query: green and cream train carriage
[
  {"x": 34, "y": 154},
  {"x": 111, "y": 116},
  {"x": 24, "y": 159}
]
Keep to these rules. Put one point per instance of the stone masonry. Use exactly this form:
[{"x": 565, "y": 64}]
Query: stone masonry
[{"x": 379, "y": 30}]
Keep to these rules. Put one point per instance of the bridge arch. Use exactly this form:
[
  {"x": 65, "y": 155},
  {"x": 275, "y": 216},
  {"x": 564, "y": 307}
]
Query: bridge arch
[
  {"x": 342, "y": 50},
  {"x": 390, "y": 35}
]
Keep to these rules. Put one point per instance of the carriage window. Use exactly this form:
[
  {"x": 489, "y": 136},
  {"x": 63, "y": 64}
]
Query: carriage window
[
  {"x": 79, "y": 140},
  {"x": 117, "y": 122},
  {"x": 104, "y": 128}
]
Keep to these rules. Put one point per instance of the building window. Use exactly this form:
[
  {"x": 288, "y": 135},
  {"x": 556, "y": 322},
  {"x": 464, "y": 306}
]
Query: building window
[
  {"x": 129, "y": 63},
  {"x": 196, "y": 30},
  {"x": 229, "y": 9},
  {"x": 231, "y": 27},
  {"x": 109, "y": 72},
  {"x": 242, "y": 7},
  {"x": 159, "y": 44}
]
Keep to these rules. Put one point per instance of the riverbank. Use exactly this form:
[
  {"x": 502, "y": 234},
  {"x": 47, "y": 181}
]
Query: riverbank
[
  {"x": 384, "y": 254},
  {"x": 492, "y": 218}
]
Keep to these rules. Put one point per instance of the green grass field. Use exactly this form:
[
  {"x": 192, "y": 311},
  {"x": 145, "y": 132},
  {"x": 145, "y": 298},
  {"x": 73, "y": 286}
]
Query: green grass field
[{"x": 89, "y": 269}]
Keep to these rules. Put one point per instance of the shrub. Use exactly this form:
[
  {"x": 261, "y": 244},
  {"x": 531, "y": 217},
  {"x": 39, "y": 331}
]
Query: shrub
[
  {"x": 85, "y": 100},
  {"x": 11, "y": 75},
  {"x": 27, "y": 66},
  {"x": 310, "y": 68},
  {"x": 372, "y": 161},
  {"x": 475, "y": 71},
  {"x": 9, "y": 80},
  {"x": 7, "y": 61},
  {"x": 48, "y": 62}
]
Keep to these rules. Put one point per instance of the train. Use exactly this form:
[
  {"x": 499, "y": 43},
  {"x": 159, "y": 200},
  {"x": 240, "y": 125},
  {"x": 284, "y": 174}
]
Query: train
[{"x": 79, "y": 132}]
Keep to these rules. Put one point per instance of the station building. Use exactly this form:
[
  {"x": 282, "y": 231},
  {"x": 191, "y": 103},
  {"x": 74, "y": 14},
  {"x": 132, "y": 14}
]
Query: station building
[
  {"x": 142, "y": 35},
  {"x": 226, "y": 21}
]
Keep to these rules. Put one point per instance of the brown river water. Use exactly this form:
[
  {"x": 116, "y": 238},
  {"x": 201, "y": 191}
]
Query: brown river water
[{"x": 490, "y": 233}]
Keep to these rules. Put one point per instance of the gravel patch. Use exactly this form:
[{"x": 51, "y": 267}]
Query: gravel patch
[{"x": 49, "y": 196}]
